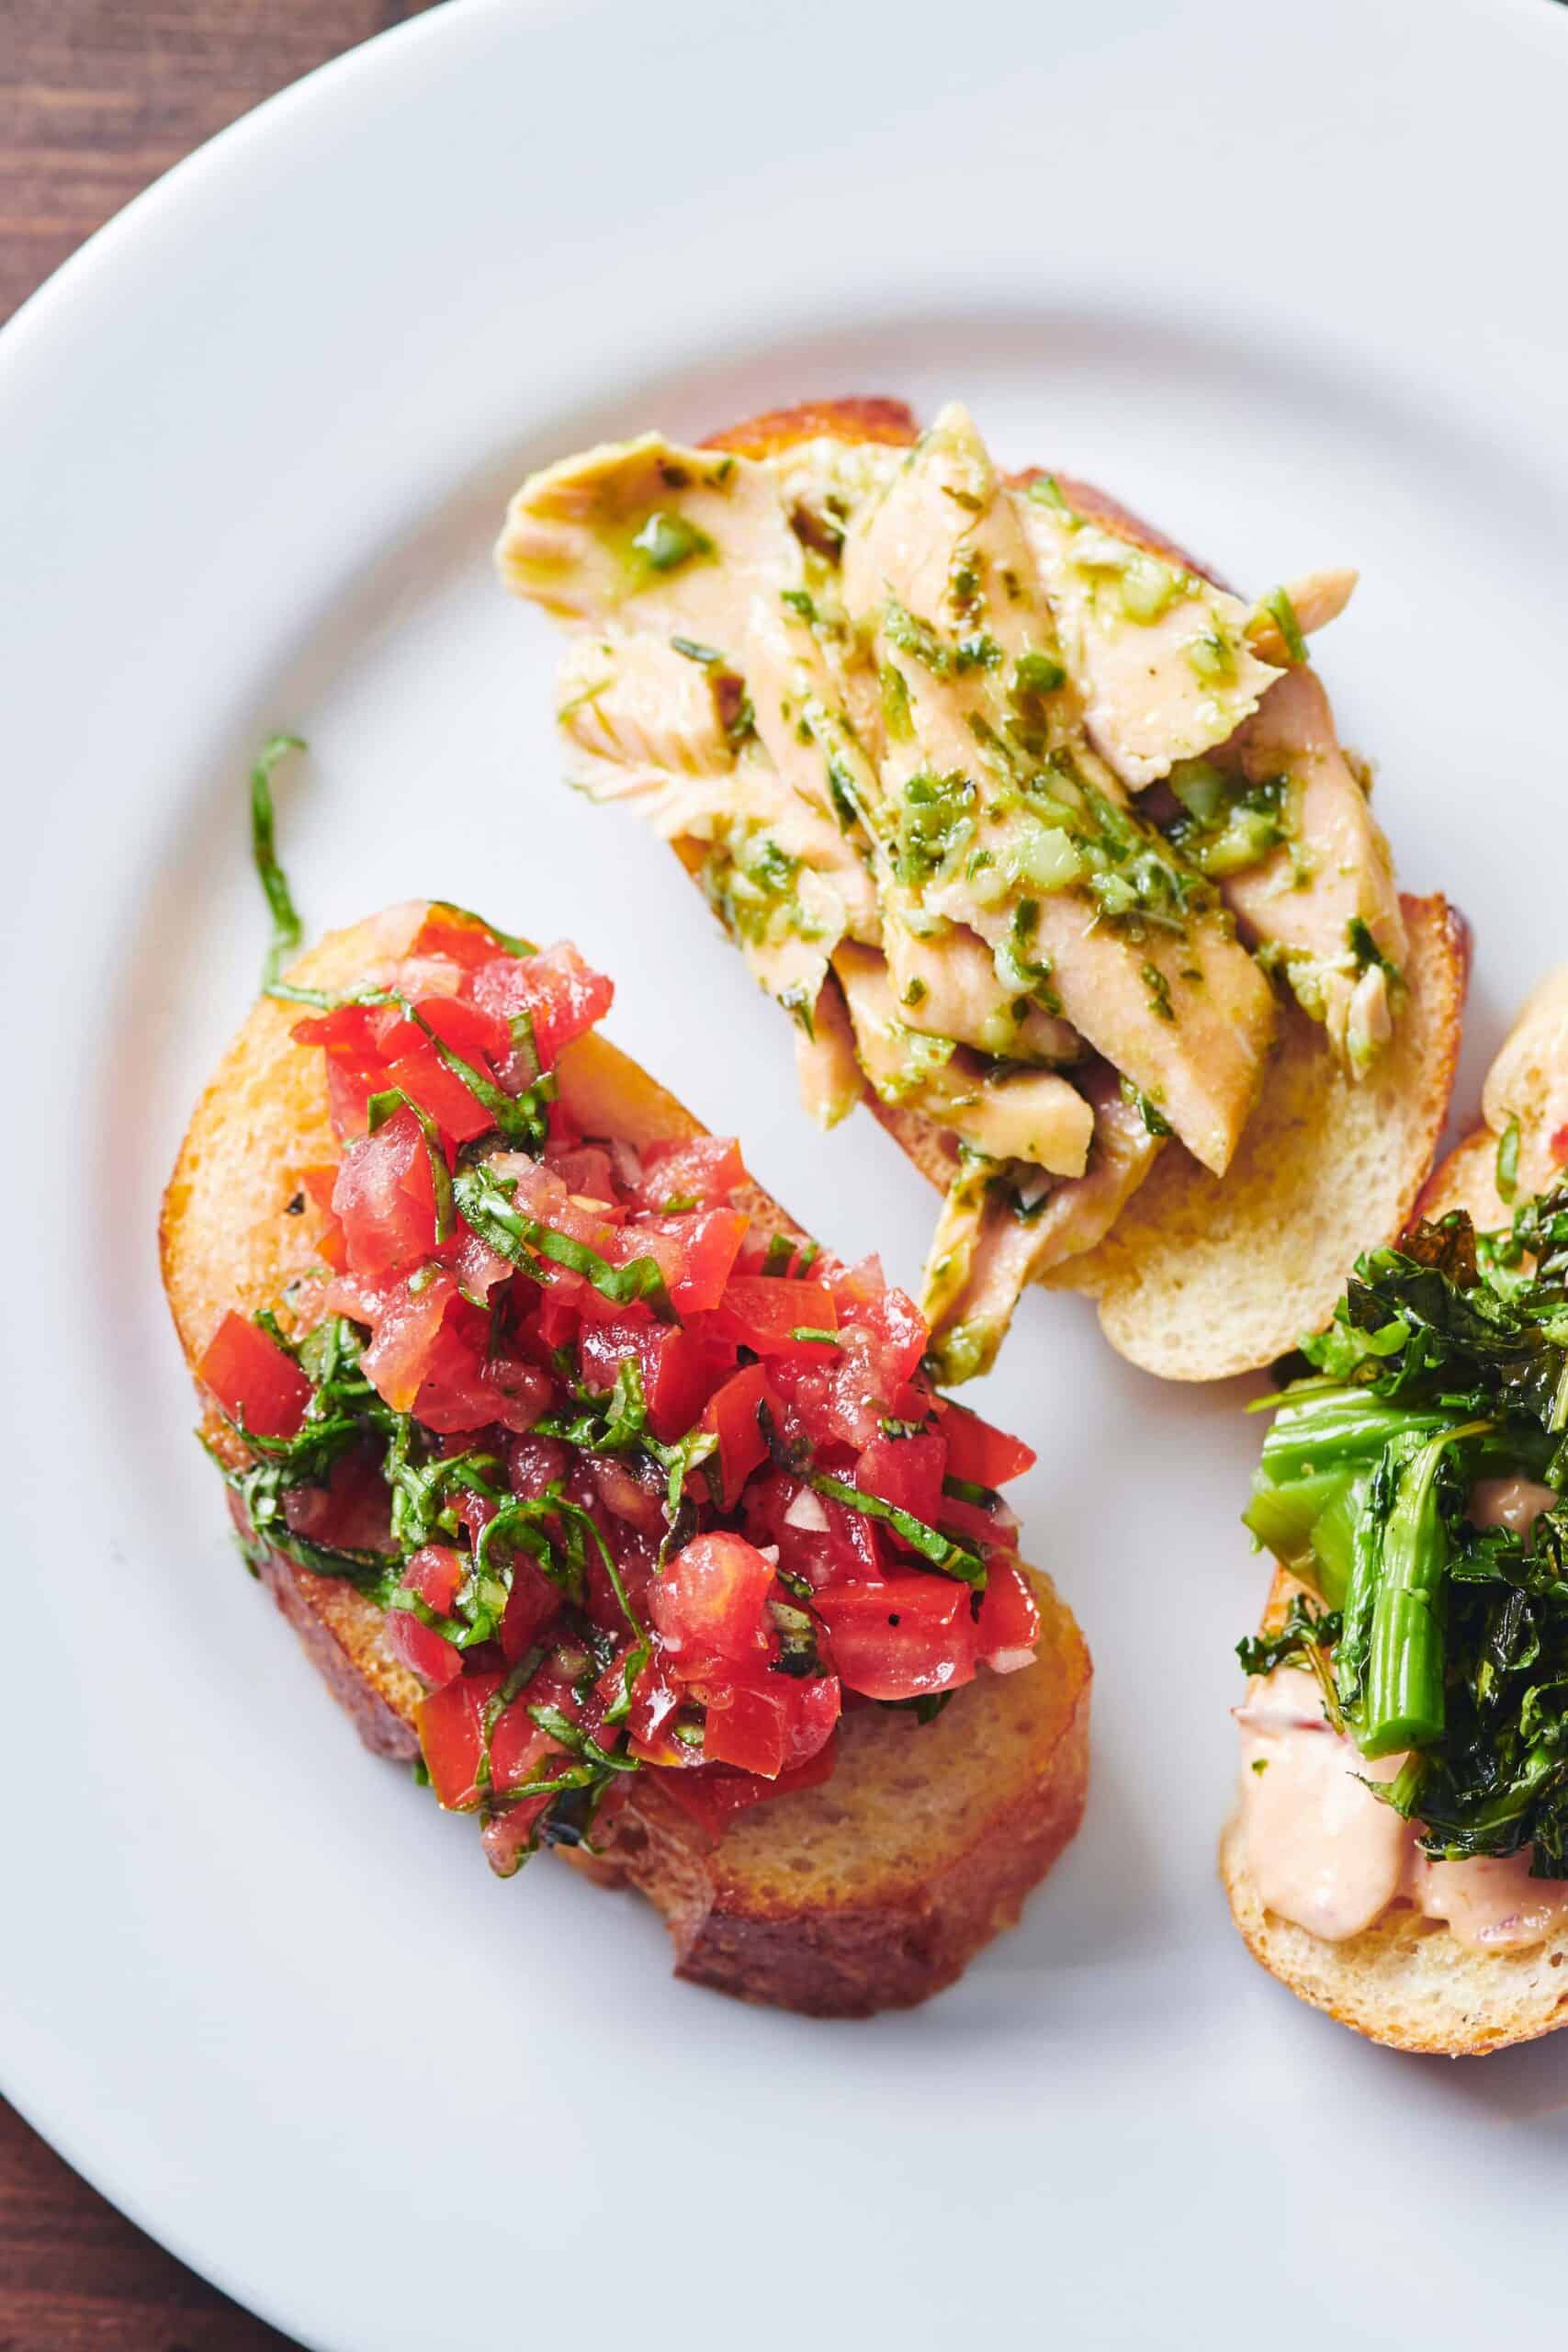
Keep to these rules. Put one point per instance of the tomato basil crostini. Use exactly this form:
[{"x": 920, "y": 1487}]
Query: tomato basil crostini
[{"x": 577, "y": 1465}]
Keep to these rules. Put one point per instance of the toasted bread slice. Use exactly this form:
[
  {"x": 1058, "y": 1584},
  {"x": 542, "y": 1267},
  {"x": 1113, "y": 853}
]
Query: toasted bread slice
[
  {"x": 1406, "y": 1981},
  {"x": 1202, "y": 1276},
  {"x": 870, "y": 1892}
]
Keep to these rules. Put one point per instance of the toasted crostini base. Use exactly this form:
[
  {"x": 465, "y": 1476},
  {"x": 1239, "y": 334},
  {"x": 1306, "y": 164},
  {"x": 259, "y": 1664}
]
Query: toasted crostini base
[
  {"x": 869, "y": 1893},
  {"x": 1202, "y": 1276},
  {"x": 1406, "y": 1981}
]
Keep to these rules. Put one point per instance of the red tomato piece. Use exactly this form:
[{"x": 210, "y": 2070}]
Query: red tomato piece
[
  {"x": 253, "y": 1380},
  {"x": 764, "y": 1723},
  {"x": 586, "y": 1171},
  {"x": 765, "y": 1311},
  {"x": 420, "y": 1649},
  {"x": 713, "y": 1799},
  {"x": 900, "y": 1640},
  {"x": 317, "y": 1183},
  {"x": 675, "y": 1364},
  {"x": 692, "y": 1173},
  {"x": 708, "y": 1603},
  {"x": 1007, "y": 1633},
  {"x": 530, "y": 1605},
  {"x": 451, "y": 1733},
  {"x": 346, "y": 1033},
  {"x": 458, "y": 936},
  {"x": 697, "y": 1253},
  {"x": 407, "y": 1326},
  {"x": 463, "y": 1388},
  {"x": 562, "y": 996},
  {"x": 385, "y": 1197},
  {"x": 535, "y": 1463},
  {"x": 905, "y": 1471},
  {"x": 436, "y": 1574},
  {"x": 976, "y": 1451},
  {"x": 423, "y": 1076},
  {"x": 734, "y": 1415}
]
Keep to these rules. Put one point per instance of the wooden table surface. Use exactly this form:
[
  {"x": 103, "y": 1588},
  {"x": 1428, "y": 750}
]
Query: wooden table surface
[{"x": 96, "y": 98}]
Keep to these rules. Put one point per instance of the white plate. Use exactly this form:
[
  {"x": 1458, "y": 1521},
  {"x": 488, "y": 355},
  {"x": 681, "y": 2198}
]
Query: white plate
[{"x": 1287, "y": 277}]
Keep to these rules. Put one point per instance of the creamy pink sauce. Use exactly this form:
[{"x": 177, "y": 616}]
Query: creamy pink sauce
[{"x": 1324, "y": 1851}]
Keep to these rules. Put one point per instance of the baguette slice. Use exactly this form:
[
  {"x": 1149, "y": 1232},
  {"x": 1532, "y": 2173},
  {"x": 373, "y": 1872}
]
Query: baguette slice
[
  {"x": 1201, "y": 1277},
  {"x": 1406, "y": 1981},
  {"x": 868, "y": 1892}
]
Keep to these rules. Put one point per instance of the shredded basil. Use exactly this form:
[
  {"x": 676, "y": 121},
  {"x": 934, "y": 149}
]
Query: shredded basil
[
  {"x": 286, "y": 927},
  {"x": 486, "y": 1203},
  {"x": 941, "y": 1551}
]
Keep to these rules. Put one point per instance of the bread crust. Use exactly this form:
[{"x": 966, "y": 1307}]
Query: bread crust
[
  {"x": 824, "y": 1902},
  {"x": 1407, "y": 1982},
  {"x": 1175, "y": 1282}
]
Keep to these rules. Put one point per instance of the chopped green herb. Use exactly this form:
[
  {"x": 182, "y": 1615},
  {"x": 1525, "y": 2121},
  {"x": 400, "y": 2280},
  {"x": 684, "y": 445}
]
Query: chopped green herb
[
  {"x": 1282, "y": 613},
  {"x": 666, "y": 541},
  {"x": 286, "y": 931}
]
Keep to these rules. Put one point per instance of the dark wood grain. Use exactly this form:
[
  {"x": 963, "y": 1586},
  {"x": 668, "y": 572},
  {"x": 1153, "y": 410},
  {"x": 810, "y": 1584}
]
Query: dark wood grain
[
  {"x": 77, "y": 2276},
  {"x": 96, "y": 98}
]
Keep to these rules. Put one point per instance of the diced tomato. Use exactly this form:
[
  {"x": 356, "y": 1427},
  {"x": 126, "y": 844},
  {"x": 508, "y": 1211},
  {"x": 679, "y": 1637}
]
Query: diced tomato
[
  {"x": 1559, "y": 1146},
  {"x": 675, "y": 1366},
  {"x": 424, "y": 1651},
  {"x": 253, "y": 1380},
  {"x": 713, "y": 1798},
  {"x": 535, "y": 1463},
  {"x": 980, "y": 1452},
  {"x": 697, "y": 1253},
  {"x": 691, "y": 1173},
  {"x": 905, "y": 1471},
  {"x": 764, "y": 1723},
  {"x": 734, "y": 1415},
  {"x": 451, "y": 1733},
  {"x": 637, "y": 1500},
  {"x": 479, "y": 1268},
  {"x": 436, "y": 1574},
  {"x": 530, "y": 1605},
  {"x": 385, "y": 1195},
  {"x": 897, "y": 1332},
  {"x": 462, "y": 1388},
  {"x": 557, "y": 1318},
  {"x": 586, "y": 1169},
  {"x": 425, "y": 1078},
  {"x": 763, "y": 1312},
  {"x": 708, "y": 1603},
  {"x": 854, "y": 1542},
  {"x": 407, "y": 1323},
  {"x": 348, "y": 1099},
  {"x": 655, "y": 1703},
  {"x": 1008, "y": 1630},
  {"x": 519, "y": 1748},
  {"x": 900, "y": 1640},
  {"x": 316, "y": 1183},
  {"x": 450, "y": 932},
  {"x": 346, "y": 1033},
  {"x": 562, "y": 995}
]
